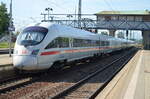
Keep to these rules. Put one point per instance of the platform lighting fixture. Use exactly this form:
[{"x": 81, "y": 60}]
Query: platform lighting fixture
[
  {"x": 69, "y": 16},
  {"x": 79, "y": 13},
  {"x": 48, "y": 9},
  {"x": 10, "y": 28}
]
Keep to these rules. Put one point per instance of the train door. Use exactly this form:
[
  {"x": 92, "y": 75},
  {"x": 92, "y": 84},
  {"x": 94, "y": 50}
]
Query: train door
[
  {"x": 70, "y": 50},
  {"x": 99, "y": 45},
  {"x": 76, "y": 46}
]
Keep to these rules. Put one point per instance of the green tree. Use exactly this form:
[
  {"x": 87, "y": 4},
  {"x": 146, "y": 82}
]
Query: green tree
[
  {"x": 4, "y": 19},
  {"x": 120, "y": 35},
  {"x": 18, "y": 32},
  {"x": 104, "y": 33}
]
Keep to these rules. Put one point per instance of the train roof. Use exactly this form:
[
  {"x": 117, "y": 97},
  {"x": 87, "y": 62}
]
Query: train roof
[{"x": 74, "y": 32}]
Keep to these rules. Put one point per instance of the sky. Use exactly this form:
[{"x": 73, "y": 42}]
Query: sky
[{"x": 28, "y": 11}]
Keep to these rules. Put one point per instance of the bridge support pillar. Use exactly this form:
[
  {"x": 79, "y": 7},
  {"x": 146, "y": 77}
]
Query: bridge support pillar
[
  {"x": 96, "y": 31},
  {"x": 112, "y": 33},
  {"x": 146, "y": 39}
]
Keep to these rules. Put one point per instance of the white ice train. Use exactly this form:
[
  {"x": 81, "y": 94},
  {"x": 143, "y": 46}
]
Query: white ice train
[{"x": 42, "y": 45}]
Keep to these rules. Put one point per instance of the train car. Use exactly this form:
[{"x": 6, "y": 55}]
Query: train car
[{"x": 42, "y": 45}]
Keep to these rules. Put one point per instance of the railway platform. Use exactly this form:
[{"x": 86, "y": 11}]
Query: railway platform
[
  {"x": 5, "y": 60},
  {"x": 132, "y": 82}
]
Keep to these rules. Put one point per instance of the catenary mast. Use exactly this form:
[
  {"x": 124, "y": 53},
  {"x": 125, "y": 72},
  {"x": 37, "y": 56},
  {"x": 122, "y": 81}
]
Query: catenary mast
[{"x": 79, "y": 13}]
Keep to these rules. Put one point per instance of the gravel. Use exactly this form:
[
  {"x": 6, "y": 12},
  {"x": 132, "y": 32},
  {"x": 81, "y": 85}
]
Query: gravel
[{"x": 56, "y": 82}]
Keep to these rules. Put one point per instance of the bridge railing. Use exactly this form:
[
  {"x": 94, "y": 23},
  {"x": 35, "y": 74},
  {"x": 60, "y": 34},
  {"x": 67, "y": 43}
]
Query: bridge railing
[{"x": 110, "y": 24}]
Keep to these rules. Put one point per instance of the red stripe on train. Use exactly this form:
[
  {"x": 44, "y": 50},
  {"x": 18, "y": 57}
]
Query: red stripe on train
[
  {"x": 50, "y": 53},
  {"x": 72, "y": 51}
]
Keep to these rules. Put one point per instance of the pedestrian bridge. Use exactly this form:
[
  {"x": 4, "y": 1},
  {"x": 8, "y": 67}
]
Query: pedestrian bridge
[
  {"x": 110, "y": 24},
  {"x": 115, "y": 20}
]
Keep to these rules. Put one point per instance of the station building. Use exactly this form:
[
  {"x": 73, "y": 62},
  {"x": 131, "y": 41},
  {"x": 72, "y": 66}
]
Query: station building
[{"x": 128, "y": 18}]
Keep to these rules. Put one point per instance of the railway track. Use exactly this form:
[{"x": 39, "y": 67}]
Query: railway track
[
  {"x": 5, "y": 51},
  {"x": 6, "y": 67},
  {"x": 8, "y": 79},
  {"x": 17, "y": 81},
  {"x": 85, "y": 88},
  {"x": 27, "y": 87},
  {"x": 13, "y": 82},
  {"x": 6, "y": 72}
]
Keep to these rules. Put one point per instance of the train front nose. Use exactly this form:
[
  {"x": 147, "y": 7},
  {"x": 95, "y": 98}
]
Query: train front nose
[{"x": 25, "y": 62}]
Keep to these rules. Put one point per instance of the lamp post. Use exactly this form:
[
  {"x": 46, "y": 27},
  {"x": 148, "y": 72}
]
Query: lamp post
[
  {"x": 10, "y": 28},
  {"x": 48, "y": 9},
  {"x": 79, "y": 13},
  {"x": 69, "y": 16}
]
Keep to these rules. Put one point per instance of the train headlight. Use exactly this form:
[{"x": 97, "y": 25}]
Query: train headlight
[
  {"x": 15, "y": 51},
  {"x": 35, "y": 52}
]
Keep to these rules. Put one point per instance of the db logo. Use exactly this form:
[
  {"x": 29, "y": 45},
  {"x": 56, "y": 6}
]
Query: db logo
[{"x": 24, "y": 52}]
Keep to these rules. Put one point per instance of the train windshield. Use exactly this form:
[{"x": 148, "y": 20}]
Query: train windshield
[{"x": 32, "y": 36}]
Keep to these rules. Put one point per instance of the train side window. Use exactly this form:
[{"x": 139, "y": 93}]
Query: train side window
[
  {"x": 93, "y": 42},
  {"x": 81, "y": 43},
  {"x": 63, "y": 42},
  {"x": 85, "y": 43},
  {"x": 78, "y": 42},
  {"x": 106, "y": 43},
  {"x": 89, "y": 43},
  {"x": 52, "y": 44},
  {"x": 102, "y": 43},
  {"x": 60, "y": 42},
  {"x": 97, "y": 43}
]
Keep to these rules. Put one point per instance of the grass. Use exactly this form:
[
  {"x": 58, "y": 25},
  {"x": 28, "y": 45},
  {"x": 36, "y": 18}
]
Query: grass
[{"x": 5, "y": 45}]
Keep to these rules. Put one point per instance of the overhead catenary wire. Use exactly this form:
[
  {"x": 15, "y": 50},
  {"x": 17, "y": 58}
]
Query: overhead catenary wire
[
  {"x": 56, "y": 5},
  {"x": 108, "y": 4}
]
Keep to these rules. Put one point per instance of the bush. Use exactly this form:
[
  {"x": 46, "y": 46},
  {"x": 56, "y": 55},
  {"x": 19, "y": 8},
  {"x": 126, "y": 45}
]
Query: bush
[{"x": 5, "y": 45}]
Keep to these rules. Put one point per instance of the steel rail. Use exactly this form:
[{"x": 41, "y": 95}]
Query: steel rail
[
  {"x": 82, "y": 81},
  {"x": 5, "y": 51},
  {"x": 9, "y": 78},
  {"x": 19, "y": 80},
  {"x": 109, "y": 79}
]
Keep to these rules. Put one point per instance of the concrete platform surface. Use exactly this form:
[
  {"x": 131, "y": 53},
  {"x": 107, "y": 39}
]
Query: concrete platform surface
[
  {"x": 5, "y": 60},
  {"x": 132, "y": 82}
]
